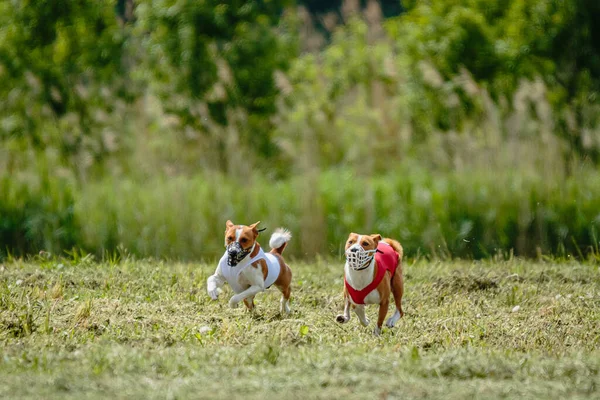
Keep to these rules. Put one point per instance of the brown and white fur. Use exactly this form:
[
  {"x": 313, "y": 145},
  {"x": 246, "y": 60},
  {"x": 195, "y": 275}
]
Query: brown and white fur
[
  {"x": 253, "y": 277},
  {"x": 380, "y": 295}
]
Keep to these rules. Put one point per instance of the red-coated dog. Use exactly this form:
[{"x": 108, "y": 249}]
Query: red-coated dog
[{"x": 373, "y": 269}]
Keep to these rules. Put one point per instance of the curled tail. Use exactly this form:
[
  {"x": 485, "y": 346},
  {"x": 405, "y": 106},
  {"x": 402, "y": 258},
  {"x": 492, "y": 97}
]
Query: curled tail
[
  {"x": 396, "y": 246},
  {"x": 279, "y": 240}
]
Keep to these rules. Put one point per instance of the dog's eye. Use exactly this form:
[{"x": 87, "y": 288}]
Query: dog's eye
[
  {"x": 365, "y": 244},
  {"x": 244, "y": 240},
  {"x": 230, "y": 239},
  {"x": 350, "y": 241}
]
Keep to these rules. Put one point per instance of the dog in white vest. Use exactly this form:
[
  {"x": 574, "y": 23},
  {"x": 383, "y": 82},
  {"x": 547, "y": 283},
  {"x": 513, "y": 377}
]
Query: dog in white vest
[{"x": 248, "y": 269}]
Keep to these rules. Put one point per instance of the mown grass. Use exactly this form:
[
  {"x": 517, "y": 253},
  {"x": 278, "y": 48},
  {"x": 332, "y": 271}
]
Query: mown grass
[{"x": 77, "y": 328}]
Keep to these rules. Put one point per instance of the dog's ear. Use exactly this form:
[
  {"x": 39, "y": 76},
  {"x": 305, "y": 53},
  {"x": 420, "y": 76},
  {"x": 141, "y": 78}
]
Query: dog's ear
[
  {"x": 253, "y": 227},
  {"x": 229, "y": 224},
  {"x": 376, "y": 237}
]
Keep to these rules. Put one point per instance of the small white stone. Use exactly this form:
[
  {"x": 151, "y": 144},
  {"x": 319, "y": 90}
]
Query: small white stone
[
  {"x": 478, "y": 316},
  {"x": 558, "y": 296},
  {"x": 18, "y": 282},
  {"x": 516, "y": 308},
  {"x": 205, "y": 329}
]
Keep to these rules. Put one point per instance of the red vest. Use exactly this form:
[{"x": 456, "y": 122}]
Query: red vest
[{"x": 386, "y": 259}]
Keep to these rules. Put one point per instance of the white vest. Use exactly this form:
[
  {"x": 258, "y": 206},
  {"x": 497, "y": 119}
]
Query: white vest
[{"x": 231, "y": 274}]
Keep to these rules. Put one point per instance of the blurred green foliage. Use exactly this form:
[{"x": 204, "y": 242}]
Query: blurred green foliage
[
  {"x": 461, "y": 128},
  {"x": 223, "y": 54},
  {"x": 504, "y": 42},
  {"x": 469, "y": 214},
  {"x": 59, "y": 60}
]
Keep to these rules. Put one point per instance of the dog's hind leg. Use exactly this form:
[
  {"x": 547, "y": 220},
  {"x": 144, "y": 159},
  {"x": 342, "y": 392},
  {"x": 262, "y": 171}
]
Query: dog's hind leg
[
  {"x": 283, "y": 283},
  {"x": 284, "y": 305},
  {"x": 285, "y": 298},
  {"x": 398, "y": 291},
  {"x": 249, "y": 302},
  {"x": 391, "y": 322}
]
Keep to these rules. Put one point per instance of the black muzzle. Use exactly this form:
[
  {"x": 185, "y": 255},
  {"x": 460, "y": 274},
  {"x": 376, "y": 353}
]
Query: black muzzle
[{"x": 235, "y": 253}]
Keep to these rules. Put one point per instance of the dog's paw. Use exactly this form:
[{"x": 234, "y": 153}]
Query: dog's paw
[
  {"x": 341, "y": 319},
  {"x": 391, "y": 321},
  {"x": 284, "y": 307},
  {"x": 214, "y": 294},
  {"x": 365, "y": 322},
  {"x": 234, "y": 303},
  {"x": 377, "y": 331}
]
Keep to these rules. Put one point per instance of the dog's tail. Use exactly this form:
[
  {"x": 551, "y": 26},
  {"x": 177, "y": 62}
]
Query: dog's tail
[
  {"x": 279, "y": 240},
  {"x": 396, "y": 246}
]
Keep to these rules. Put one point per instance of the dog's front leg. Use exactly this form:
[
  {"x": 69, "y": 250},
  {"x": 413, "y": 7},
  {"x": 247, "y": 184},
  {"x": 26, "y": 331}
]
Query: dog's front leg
[
  {"x": 345, "y": 317},
  {"x": 213, "y": 283},
  {"x": 248, "y": 293},
  {"x": 383, "y": 309},
  {"x": 360, "y": 313},
  {"x": 257, "y": 284}
]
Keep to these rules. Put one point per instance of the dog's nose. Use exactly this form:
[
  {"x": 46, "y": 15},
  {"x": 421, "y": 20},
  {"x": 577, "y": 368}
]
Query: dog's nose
[{"x": 354, "y": 249}]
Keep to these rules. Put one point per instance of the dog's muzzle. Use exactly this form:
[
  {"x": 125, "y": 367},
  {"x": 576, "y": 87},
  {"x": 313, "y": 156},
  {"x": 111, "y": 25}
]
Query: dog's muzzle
[
  {"x": 235, "y": 253},
  {"x": 359, "y": 258}
]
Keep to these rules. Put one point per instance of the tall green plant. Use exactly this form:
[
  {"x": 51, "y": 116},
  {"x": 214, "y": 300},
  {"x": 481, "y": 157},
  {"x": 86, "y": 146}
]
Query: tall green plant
[
  {"x": 501, "y": 43},
  {"x": 37, "y": 211},
  {"x": 60, "y": 62},
  {"x": 210, "y": 58}
]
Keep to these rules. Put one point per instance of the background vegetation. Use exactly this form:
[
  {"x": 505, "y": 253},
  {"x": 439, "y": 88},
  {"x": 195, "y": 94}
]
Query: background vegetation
[{"x": 461, "y": 128}]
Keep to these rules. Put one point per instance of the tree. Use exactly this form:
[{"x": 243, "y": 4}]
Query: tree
[
  {"x": 223, "y": 55},
  {"x": 55, "y": 55},
  {"x": 502, "y": 42}
]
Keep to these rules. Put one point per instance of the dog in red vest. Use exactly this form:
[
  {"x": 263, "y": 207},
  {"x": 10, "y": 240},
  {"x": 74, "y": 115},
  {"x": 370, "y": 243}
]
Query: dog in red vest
[{"x": 373, "y": 269}]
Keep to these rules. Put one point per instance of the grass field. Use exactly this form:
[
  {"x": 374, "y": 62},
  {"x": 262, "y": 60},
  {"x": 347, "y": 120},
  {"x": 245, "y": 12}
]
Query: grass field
[{"x": 76, "y": 328}]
